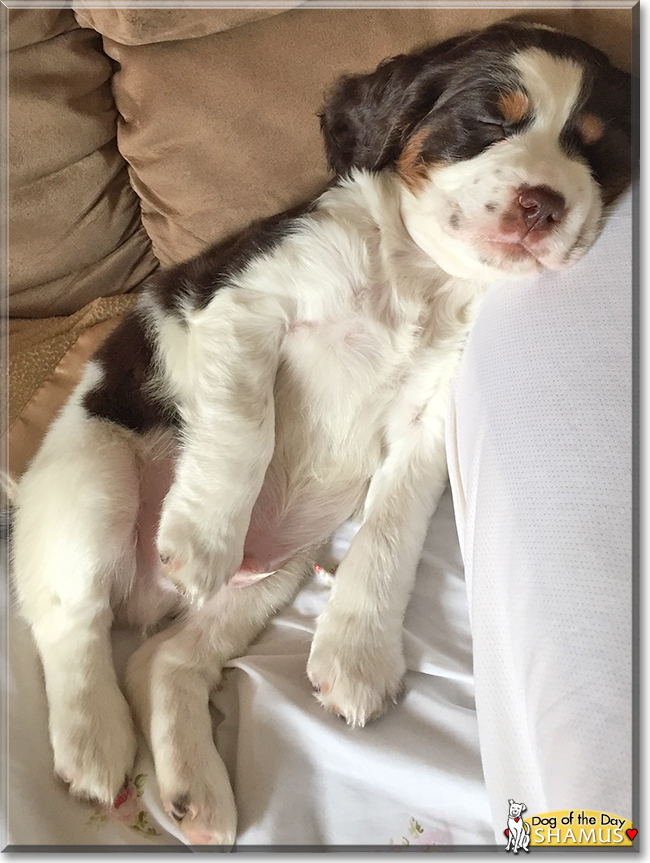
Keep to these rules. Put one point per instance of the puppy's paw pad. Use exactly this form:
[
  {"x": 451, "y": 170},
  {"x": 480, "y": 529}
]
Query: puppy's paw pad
[
  {"x": 353, "y": 703},
  {"x": 170, "y": 564},
  {"x": 209, "y": 822},
  {"x": 182, "y": 806},
  {"x": 195, "y": 791}
]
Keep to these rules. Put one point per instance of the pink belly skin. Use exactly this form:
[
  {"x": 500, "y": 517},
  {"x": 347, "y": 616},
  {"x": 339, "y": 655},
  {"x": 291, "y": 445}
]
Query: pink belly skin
[
  {"x": 284, "y": 523},
  {"x": 277, "y": 531}
]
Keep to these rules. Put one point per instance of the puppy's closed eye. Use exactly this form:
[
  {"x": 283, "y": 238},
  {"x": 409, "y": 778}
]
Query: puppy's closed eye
[{"x": 497, "y": 131}]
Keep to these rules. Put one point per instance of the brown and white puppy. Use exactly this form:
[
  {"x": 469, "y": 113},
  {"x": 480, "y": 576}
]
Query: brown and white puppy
[{"x": 287, "y": 379}]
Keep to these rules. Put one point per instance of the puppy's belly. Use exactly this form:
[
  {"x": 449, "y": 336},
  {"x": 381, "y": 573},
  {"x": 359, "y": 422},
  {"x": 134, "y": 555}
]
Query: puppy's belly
[
  {"x": 283, "y": 524},
  {"x": 288, "y": 516}
]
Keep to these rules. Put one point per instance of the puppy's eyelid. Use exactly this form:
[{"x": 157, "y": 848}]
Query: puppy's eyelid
[{"x": 495, "y": 126}]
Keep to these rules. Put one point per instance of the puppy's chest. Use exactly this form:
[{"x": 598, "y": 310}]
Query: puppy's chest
[
  {"x": 349, "y": 350},
  {"x": 359, "y": 363}
]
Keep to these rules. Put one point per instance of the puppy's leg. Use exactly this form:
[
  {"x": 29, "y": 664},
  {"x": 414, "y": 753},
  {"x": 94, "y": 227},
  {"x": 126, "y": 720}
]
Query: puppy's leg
[
  {"x": 356, "y": 662},
  {"x": 76, "y": 510},
  {"x": 169, "y": 680},
  {"x": 221, "y": 365}
]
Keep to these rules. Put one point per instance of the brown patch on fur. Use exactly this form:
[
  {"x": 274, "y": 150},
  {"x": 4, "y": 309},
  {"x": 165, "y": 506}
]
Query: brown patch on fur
[
  {"x": 123, "y": 396},
  {"x": 411, "y": 167},
  {"x": 514, "y": 106},
  {"x": 591, "y": 128}
]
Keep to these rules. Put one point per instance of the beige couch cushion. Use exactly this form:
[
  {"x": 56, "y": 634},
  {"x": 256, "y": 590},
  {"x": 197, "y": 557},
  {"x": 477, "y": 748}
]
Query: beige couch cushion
[
  {"x": 74, "y": 220},
  {"x": 221, "y": 129},
  {"x": 142, "y": 26}
]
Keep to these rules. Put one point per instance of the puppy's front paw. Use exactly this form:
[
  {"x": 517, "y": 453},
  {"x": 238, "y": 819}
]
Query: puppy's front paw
[
  {"x": 195, "y": 569},
  {"x": 354, "y": 670},
  {"x": 94, "y": 746}
]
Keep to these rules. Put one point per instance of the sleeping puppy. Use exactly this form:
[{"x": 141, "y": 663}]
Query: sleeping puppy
[{"x": 287, "y": 379}]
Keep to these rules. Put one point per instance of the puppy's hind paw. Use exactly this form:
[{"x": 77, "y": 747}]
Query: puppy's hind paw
[
  {"x": 196, "y": 793},
  {"x": 204, "y": 819},
  {"x": 94, "y": 749}
]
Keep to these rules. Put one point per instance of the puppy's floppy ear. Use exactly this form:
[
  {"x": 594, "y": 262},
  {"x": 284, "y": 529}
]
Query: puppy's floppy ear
[
  {"x": 612, "y": 96},
  {"x": 627, "y": 87},
  {"x": 366, "y": 118}
]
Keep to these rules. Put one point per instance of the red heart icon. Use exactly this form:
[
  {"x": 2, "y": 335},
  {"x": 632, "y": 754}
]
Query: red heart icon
[
  {"x": 516, "y": 819},
  {"x": 631, "y": 833},
  {"x": 507, "y": 832}
]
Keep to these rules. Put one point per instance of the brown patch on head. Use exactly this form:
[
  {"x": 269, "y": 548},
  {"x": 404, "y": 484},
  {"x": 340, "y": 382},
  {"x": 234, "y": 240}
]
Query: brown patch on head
[
  {"x": 514, "y": 106},
  {"x": 411, "y": 167},
  {"x": 591, "y": 128}
]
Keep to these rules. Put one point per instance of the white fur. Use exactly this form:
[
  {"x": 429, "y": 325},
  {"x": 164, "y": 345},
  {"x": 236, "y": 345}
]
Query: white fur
[
  {"x": 312, "y": 389},
  {"x": 78, "y": 503}
]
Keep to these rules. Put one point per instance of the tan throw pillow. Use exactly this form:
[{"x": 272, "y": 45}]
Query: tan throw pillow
[
  {"x": 221, "y": 129},
  {"x": 74, "y": 221},
  {"x": 142, "y": 26}
]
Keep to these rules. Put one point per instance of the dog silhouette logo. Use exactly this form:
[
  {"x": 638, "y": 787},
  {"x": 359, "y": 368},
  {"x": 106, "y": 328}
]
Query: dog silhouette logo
[{"x": 517, "y": 831}]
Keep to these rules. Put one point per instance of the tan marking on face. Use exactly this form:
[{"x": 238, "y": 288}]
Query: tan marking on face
[
  {"x": 591, "y": 128},
  {"x": 411, "y": 167},
  {"x": 514, "y": 106}
]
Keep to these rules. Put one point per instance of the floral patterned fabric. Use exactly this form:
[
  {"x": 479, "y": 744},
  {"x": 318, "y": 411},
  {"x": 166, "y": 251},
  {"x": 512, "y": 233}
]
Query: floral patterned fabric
[{"x": 127, "y": 809}]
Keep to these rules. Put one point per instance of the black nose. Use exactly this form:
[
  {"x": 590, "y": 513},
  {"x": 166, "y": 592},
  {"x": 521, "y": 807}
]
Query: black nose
[{"x": 542, "y": 208}]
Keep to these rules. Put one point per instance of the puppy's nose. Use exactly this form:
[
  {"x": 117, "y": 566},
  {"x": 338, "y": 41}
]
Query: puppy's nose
[{"x": 541, "y": 207}]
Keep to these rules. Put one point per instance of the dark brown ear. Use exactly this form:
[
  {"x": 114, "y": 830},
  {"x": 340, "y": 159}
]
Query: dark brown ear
[
  {"x": 367, "y": 118},
  {"x": 627, "y": 88},
  {"x": 614, "y": 156},
  {"x": 611, "y": 97}
]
